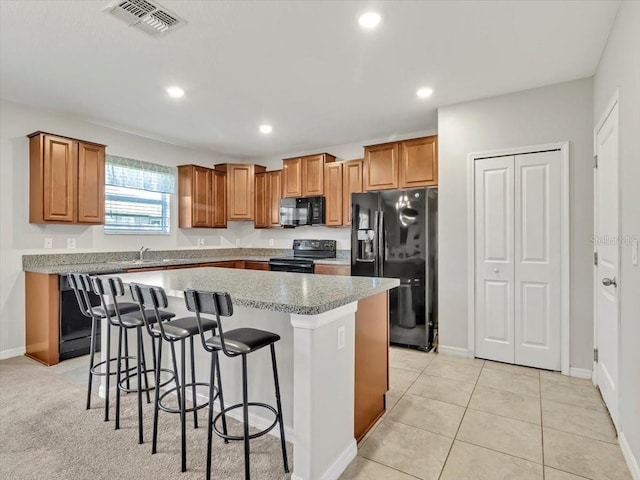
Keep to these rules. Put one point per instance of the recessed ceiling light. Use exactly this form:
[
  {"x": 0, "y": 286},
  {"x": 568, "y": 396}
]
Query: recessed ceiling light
[
  {"x": 175, "y": 92},
  {"x": 424, "y": 92},
  {"x": 266, "y": 129},
  {"x": 369, "y": 19}
]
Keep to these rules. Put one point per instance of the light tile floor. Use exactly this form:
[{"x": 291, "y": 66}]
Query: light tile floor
[{"x": 450, "y": 418}]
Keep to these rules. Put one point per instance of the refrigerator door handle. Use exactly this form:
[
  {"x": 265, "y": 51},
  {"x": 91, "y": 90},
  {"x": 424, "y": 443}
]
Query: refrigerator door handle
[
  {"x": 381, "y": 245},
  {"x": 376, "y": 244}
]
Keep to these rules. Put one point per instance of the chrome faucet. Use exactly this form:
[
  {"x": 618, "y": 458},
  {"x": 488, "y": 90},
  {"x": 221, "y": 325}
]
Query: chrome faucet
[{"x": 142, "y": 251}]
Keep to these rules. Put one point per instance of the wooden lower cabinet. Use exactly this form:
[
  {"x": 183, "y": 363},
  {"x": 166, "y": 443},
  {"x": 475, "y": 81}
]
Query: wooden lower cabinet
[
  {"x": 371, "y": 362},
  {"x": 226, "y": 264},
  {"x": 249, "y": 265},
  {"x": 324, "y": 269},
  {"x": 42, "y": 313}
]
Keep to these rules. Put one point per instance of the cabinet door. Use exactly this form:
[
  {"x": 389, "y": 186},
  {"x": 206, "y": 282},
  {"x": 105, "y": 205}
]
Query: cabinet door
[
  {"x": 313, "y": 175},
  {"x": 381, "y": 167},
  {"x": 60, "y": 173},
  {"x": 351, "y": 183},
  {"x": 323, "y": 269},
  {"x": 292, "y": 177},
  {"x": 274, "y": 194},
  {"x": 219, "y": 199},
  {"x": 90, "y": 183},
  {"x": 261, "y": 203},
  {"x": 419, "y": 162},
  {"x": 202, "y": 197},
  {"x": 240, "y": 191},
  {"x": 250, "y": 265},
  {"x": 333, "y": 198}
]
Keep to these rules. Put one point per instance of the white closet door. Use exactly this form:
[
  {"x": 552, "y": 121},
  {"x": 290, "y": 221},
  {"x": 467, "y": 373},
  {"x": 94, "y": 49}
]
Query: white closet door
[
  {"x": 494, "y": 198},
  {"x": 537, "y": 259}
]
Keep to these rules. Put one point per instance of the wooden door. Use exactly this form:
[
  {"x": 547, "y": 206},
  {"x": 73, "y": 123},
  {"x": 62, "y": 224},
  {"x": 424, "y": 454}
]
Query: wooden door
[
  {"x": 313, "y": 175},
  {"x": 90, "y": 183},
  {"x": 240, "y": 191},
  {"x": 261, "y": 203},
  {"x": 274, "y": 194},
  {"x": 419, "y": 162},
  {"x": 381, "y": 166},
  {"x": 219, "y": 199},
  {"x": 494, "y": 258},
  {"x": 333, "y": 198},
  {"x": 351, "y": 183},
  {"x": 202, "y": 197},
  {"x": 607, "y": 270},
  {"x": 537, "y": 255},
  {"x": 59, "y": 179},
  {"x": 292, "y": 177}
]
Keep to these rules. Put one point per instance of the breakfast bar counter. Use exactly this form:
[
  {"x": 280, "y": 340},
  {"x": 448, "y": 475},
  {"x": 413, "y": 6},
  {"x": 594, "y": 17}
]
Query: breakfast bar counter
[{"x": 333, "y": 345}]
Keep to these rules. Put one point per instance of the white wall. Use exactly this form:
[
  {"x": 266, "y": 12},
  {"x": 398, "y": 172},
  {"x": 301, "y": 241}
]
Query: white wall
[
  {"x": 620, "y": 68},
  {"x": 543, "y": 115}
]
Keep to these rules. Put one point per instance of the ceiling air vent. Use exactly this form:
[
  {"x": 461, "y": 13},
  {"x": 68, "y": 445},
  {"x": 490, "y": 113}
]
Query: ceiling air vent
[{"x": 146, "y": 16}]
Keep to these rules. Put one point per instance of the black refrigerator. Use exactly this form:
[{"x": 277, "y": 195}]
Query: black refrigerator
[{"x": 393, "y": 235}]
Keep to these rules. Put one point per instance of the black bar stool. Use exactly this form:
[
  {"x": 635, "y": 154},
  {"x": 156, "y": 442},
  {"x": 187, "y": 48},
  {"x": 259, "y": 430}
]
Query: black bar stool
[
  {"x": 178, "y": 330},
  {"x": 237, "y": 342},
  {"x": 81, "y": 284},
  {"x": 111, "y": 288}
]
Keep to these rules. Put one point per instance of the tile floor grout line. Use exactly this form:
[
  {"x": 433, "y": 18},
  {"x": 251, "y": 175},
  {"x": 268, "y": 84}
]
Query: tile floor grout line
[
  {"x": 504, "y": 416},
  {"x": 580, "y": 435},
  {"x": 446, "y": 459},
  {"x": 392, "y": 468},
  {"x": 503, "y": 453}
]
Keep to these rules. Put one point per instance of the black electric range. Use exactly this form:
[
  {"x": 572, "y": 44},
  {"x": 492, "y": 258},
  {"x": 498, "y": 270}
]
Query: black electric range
[{"x": 304, "y": 254}]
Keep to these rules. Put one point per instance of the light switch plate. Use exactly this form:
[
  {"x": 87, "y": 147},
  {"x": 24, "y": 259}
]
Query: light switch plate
[
  {"x": 341, "y": 339},
  {"x": 71, "y": 243},
  {"x": 634, "y": 251},
  {"x": 48, "y": 242},
  {"x": 201, "y": 242}
]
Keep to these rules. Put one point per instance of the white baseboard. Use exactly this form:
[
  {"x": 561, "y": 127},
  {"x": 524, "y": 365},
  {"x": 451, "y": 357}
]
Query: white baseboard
[
  {"x": 627, "y": 453},
  {"x": 454, "y": 351},
  {"x": 338, "y": 467},
  {"x": 12, "y": 352},
  {"x": 580, "y": 372}
]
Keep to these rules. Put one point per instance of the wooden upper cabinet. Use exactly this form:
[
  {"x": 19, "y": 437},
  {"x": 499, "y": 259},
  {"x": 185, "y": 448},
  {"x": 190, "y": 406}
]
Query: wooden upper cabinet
[
  {"x": 292, "y": 177},
  {"x": 333, "y": 198},
  {"x": 66, "y": 180},
  {"x": 351, "y": 183},
  {"x": 240, "y": 189},
  {"x": 381, "y": 166},
  {"x": 219, "y": 199},
  {"x": 260, "y": 208},
  {"x": 274, "y": 194},
  {"x": 313, "y": 174},
  {"x": 419, "y": 162},
  {"x": 90, "y": 183}
]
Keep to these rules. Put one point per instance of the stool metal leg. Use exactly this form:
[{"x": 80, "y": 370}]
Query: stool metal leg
[
  {"x": 91, "y": 360},
  {"x": 144, "y": 367},
  {"x": 193, "y": 380},
  {"x": 210, "y": 422},
  {"x": 139, "y": 360},
  {"x": 279, "y": 404},
  {"x": 156, "y": 402},
  {"x": 245, "y": 417},
  {"x": 224, "y": 417},
  {"x": 183, "y": 401},
  {"x": 108, "y": 371},
  {"x": 118, "y": 374}
]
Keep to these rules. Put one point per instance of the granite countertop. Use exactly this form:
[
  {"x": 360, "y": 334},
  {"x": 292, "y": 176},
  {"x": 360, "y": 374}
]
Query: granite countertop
[
  {"x": 120, "y": 266},
  {"x": 299, "y": 293}
]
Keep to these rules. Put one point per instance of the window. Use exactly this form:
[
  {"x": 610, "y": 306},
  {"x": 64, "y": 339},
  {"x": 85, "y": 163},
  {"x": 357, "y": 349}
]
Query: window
[{"x": 137, "y": 196}]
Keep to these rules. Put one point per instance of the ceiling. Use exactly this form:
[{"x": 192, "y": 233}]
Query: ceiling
[{"x": 306, "y": 67}]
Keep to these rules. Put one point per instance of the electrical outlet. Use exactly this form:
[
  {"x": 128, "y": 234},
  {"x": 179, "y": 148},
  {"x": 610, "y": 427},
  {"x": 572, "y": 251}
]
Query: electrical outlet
[
  {"x": 271, "y": 242},
  {"x": 634, "y": 251},
  {"x": 48, "y": 242},
  {"x": 71, "y": 243},
  {"x": 201, "y": 242},
  {"x": 237, "y": 242},
  {"x": 341, "y": 340}
]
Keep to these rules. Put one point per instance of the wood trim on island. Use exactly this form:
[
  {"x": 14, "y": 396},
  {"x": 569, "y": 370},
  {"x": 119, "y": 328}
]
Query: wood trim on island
[{"x": 42, "y": 317}]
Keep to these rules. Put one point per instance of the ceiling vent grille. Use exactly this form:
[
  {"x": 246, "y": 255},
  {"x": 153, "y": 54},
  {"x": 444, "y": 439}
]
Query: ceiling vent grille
[{"x": 146, "y": 16}]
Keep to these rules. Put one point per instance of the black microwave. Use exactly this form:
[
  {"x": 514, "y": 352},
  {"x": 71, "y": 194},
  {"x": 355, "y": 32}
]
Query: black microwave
[{"x": 295, "y": 212}]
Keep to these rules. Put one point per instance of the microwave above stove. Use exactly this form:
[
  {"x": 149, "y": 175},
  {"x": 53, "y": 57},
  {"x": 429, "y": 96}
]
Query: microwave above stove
[{"x": 295, "y": 212}]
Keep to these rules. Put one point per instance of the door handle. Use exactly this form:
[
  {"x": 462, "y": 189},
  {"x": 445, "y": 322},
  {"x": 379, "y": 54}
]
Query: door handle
[{"x": 607, "y": 282}]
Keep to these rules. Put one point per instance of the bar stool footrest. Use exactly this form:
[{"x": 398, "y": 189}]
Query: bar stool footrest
[
  {"x": 152, "y": 385},
  {"x": 174, "y": 390},
  {"x": 241, "y": 437},
  {"x": 114, "y": 370}
]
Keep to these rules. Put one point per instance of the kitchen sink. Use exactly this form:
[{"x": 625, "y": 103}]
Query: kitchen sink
[{"x": 135, "y": 262}]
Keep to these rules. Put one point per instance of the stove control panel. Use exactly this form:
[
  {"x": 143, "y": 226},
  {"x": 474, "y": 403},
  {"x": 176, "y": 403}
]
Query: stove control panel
[{"x": 314, "y": 245}]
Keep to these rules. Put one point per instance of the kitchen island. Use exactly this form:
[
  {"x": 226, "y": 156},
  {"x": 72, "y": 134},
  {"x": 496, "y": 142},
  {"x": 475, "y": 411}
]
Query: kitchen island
[{"x": 328, "y": 356}]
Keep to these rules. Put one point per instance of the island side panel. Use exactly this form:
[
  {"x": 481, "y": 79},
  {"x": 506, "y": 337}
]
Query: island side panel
[
  {"x": 371, "y": 361},
  {"x": 42, "y": 305}
]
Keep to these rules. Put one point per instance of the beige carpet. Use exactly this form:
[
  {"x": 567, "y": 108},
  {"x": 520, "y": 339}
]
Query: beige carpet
[{"x": 46, "y": 433}]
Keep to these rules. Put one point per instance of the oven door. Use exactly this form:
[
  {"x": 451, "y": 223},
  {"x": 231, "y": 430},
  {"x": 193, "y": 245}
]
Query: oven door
[{"x": 302, "y": 267}]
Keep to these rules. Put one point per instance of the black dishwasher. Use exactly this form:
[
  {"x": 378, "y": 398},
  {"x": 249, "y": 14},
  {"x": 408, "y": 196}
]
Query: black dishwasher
[{"x": 75, "y": 328}]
